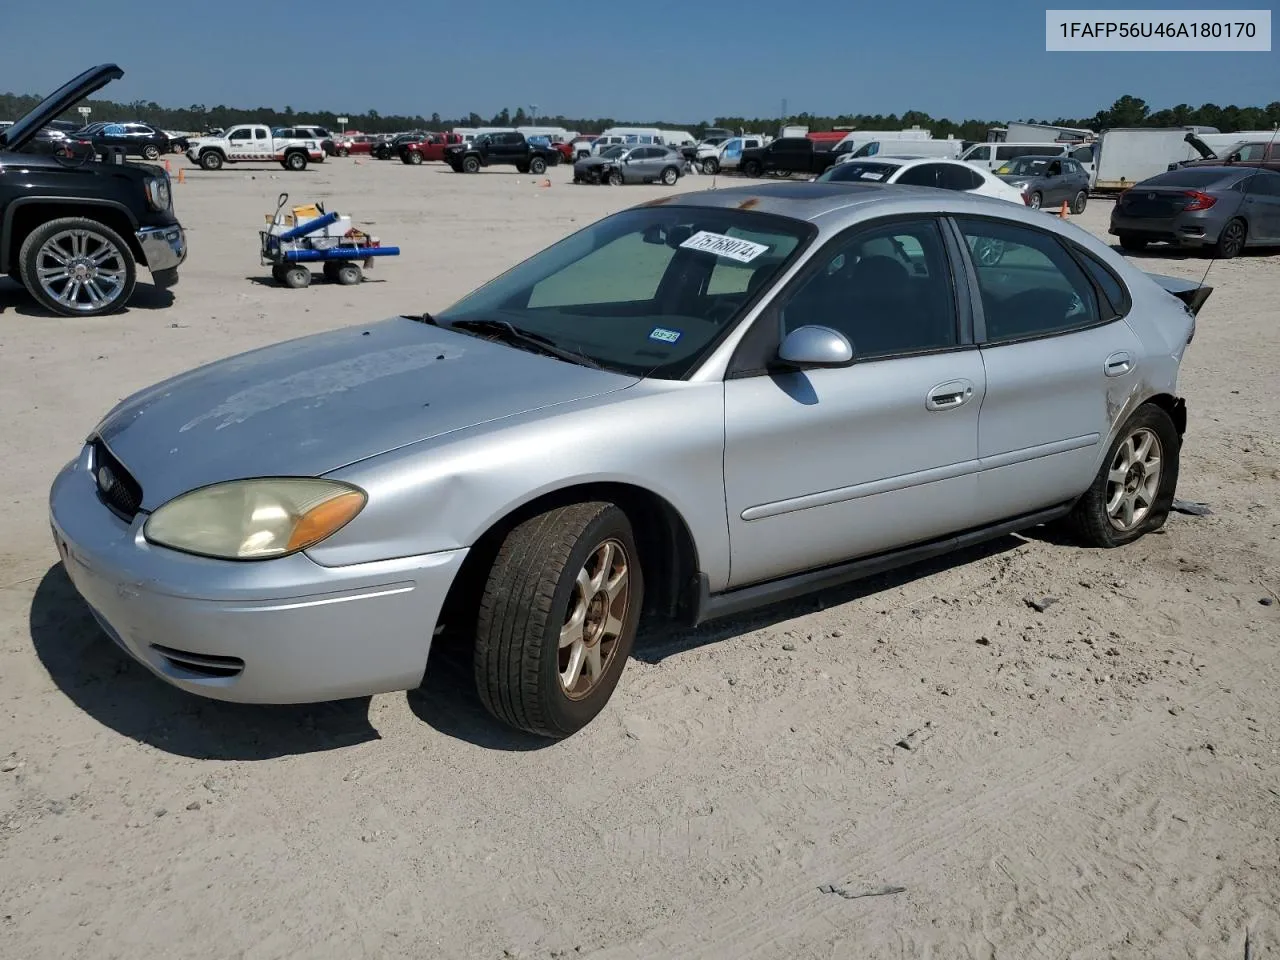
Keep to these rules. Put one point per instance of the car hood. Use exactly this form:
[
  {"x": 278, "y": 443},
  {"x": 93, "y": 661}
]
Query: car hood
[
  {"x": 307, "y": 407},
  {"x": 57, "y": 103},
  {"x": 594, "y": 161}
]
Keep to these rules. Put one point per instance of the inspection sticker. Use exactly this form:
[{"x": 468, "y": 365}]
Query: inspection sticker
[
  {"x": 744, "y": 251},
  {"x": 665, "y": 335}
]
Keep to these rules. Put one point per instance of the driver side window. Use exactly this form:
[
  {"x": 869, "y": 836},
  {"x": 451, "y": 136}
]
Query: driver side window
[
  {"x": 1030, "y": 285},
  {"x": 887, "y": 289}
]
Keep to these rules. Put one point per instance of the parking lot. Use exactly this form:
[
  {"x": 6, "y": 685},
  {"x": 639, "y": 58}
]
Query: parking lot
[{"x": 1054, "y": 751}]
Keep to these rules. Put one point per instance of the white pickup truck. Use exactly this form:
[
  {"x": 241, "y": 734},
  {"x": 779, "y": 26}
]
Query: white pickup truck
[{"x": 253, "y": 143}]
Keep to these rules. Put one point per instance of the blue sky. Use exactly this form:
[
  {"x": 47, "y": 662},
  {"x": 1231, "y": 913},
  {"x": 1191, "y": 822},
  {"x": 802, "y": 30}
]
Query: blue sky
[{"x": 679, "y": 61}]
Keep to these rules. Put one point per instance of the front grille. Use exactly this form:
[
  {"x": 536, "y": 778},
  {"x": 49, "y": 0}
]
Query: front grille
[{"x": 115, "y": 485}]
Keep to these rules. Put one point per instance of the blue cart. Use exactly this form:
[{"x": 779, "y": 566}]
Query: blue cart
[{"x": 289, "y": 250}]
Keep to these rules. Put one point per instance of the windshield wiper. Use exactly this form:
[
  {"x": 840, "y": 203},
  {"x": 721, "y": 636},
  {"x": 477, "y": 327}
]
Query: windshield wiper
[{"x": 511, "y": 334}]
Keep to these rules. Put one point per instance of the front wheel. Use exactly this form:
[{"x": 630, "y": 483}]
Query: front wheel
[
  {"x": 670, "y": 176},
  {"x": 295, "y": 278},
  {"x": 414, "y": 158},
  {"x": 211, "y": 160},
  {"x": 615, "y": 178},
  {"x": 558, "y": 618},
  {"x": 1036, "y": 200},
  {"x": 471, "y": 165},
  {"x": 344, "y": 152},
  {"x": 77, "y": 267},
  {"x": 151, "y": 152},
  {"x": 1133, "y": 491},
  {"x": 710, "y": 167},
  {"x": 537, "y": 166},
  {"x": 1230, "y": 240},
  {"x": 1078, "y": 204}
]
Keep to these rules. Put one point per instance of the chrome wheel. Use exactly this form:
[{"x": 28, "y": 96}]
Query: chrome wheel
[
  {"x": 1134, "y": 479},
  {"x": 595, "y": 618},
  {"x": 81, "y": 271}
]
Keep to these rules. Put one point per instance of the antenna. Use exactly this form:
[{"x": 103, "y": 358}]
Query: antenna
[{"x": 1244, "y": 195}]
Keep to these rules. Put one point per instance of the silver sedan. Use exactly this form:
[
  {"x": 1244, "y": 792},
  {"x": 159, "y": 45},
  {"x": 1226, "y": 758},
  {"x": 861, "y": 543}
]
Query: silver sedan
[{"x": 686, "y": 410}]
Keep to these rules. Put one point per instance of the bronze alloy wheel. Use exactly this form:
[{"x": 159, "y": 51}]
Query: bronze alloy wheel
[
  {"x": 594, "y": 620},
  {"x": 1133, "y": 480}
]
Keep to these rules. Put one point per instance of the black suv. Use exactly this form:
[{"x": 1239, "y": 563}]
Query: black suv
[
  {"x": 509, "y": 148},
  {"x": 73, "y": 226}
]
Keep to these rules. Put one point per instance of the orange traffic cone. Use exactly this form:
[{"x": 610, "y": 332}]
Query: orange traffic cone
[
  {"x": 182, "y": 174},
  {"x": 545, "y": 183},
  {"x": 1062, "y": 214}
]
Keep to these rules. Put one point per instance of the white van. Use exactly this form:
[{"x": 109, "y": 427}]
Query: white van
[
  {"x": 678, "y": 138},
  {"x": 898, "y": 147},
  {"x": 628, "y": 135}
]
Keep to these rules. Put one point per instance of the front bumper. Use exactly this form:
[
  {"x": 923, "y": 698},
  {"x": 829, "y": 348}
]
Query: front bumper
[
  {"x": 164, "y": 249},
  {"x": 277, "y": 631}
]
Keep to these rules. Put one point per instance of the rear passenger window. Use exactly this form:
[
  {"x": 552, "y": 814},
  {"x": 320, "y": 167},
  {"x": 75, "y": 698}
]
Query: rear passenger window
[
  {"x": 1030, "y": 285},
  {"x": 925, "y": 175},
  {"x": 959, "y": 177},
  {"x": 1111, "y": 288}
]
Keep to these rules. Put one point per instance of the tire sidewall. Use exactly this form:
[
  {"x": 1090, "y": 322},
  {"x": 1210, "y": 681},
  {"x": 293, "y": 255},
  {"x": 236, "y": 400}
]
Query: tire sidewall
[
  {"x": 1079, "y": 203},
  {"x": 151, "y": 152},
  {"x": 670, "y": 176},
  {"x": 295, "y": 162},
  {"x": 211, "y": 160},
  {"x": 471, "y": 165},
  {"x": 537, "y": 166},
  {"x": 561, "y": 712},
  {"x": 37, "y": 238}
]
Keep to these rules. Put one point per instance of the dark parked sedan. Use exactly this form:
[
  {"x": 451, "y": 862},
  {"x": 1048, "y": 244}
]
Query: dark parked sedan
[
  {"x": 1047, "y": 181},
  {"x": 1223, "y": 209},
  {"x": 136, "y": 139}
]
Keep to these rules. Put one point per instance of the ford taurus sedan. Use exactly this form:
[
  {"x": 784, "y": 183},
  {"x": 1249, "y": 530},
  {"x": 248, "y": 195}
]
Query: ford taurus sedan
[{"x": 694, "y": 407}]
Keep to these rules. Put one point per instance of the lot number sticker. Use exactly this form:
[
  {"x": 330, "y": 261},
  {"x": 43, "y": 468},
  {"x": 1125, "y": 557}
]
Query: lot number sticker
[
  {"x": 665, "y": 335},
  {"x": 744, "y": 251}
]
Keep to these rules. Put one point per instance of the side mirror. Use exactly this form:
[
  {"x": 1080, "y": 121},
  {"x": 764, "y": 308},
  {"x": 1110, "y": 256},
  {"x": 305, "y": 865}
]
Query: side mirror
[{"x": 814, "y": 346}]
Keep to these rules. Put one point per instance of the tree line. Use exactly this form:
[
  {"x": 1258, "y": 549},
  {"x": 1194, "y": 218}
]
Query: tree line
[{"x": 1128, "y": 111}]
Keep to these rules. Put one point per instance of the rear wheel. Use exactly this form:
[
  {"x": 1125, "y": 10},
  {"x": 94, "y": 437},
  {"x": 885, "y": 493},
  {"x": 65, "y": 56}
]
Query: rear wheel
[
  {"x": 295, "y": 161},
  {"x": 1129, "y": 242},
  {"x": 343, "y": 152},
  {"x": 77, "y": 267},
  {"x": 1231, "y": 240},
  {"x": 1133, "y": 491},
  {"x": 295, "y": 278},
  {"x": 1078, "y": 204},
  {"x": 1036, "y": 200},
  {"x": 348, "y": 274},
  {"x": 537, "y": 166},
  {"x": 752, "y": 168},
  {"x": 558, "y": 618}
]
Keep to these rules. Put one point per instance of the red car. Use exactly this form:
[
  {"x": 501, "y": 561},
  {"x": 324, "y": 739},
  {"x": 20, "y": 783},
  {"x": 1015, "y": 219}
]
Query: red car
[
  {"x": 431, "y": 147},
  {"x": 355, "y": 145}
]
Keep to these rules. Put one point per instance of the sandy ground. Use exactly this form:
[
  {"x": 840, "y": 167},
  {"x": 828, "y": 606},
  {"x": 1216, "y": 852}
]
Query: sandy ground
[{"x": 1096, "y": 780}]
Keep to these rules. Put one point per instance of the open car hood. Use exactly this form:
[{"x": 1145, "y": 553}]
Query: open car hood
[
  {"x": 58, "y": 102},
  {"x": 1202, "y": 148}
]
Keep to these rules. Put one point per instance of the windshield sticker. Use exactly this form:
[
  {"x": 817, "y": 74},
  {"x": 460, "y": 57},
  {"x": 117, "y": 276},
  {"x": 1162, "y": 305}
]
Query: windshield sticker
[
  {"x": 744, "y": 251},
  {"x": 665, "y": 335},
  {"x": 868, "y": 175}
]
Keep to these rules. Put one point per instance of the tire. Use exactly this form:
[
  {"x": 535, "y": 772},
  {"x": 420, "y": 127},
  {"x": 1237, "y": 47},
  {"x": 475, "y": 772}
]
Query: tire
[
  {"x": 1036, "y": 200},
  {"x": 344, "y": 152},
  {"x": 211, "y": 160},
  {"x": 1231, "y": 240},
  {"x": 151, "y": 152},
  {"x": 471, "y": 165},
  {"x": 615, "y": 178},
  {"x": 295, "y": 278},
  {"x": 534, "y": 594},
  {"x": 1120, "y": 482},
  {"x": 277, "y": 273},
  {"x": 537, "y": 166},
  {"x": 711, "y": 166},
  {"x": 670, "y": 175},
  {"x": 296, "y": 161},
  {"x": 413, "y": 158},
  {"x": 1079, "y": 202},
  {"x": 521, "y": 168},
  {"x": 752, "y": 168},
  {"x": 348, "y": 274},
  {"x": 106, "y": 286},
  {"x": 1129, "y": 242}
]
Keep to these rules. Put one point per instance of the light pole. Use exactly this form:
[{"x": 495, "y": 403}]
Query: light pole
[{"x": 533, "y": 114}]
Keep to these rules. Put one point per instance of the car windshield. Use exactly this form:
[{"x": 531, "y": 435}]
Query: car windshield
[
  {"x": 1024, "y": 167},
  {"x": 648, "y": 291},
  {"x": 854, "y": 170}
]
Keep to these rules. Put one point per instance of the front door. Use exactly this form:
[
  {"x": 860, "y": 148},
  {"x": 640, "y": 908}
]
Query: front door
[
  {"x": 240, "y": 144},
  {"x": 1059, "y": 368},
  {"x": 826, "y": 465}
]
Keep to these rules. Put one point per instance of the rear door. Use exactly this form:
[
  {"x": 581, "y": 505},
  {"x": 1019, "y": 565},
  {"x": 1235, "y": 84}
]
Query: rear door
[
  {"x": 1262, "y": 205},
  {"x": 1059, "y": 364}
]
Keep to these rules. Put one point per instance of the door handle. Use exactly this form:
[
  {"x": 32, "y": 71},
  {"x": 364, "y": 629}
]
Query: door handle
[
  {"x": 949, "y": 395},
  {"x": 1118, "y": 364}
]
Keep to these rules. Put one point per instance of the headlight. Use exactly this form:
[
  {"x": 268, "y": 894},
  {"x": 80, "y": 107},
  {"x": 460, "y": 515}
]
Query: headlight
[
  {"x": 254, "y": 519},
  {"x": 1019, "y": 184},
  {"x": 158, "y": 192}
]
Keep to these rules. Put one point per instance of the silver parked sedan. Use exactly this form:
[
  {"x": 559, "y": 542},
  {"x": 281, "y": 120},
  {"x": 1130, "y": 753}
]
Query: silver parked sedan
[{"x": 691, "y": 408}]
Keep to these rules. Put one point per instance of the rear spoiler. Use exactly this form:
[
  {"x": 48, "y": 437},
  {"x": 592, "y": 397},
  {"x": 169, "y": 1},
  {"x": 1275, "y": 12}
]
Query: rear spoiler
[{"x": 1188, "y": 291}]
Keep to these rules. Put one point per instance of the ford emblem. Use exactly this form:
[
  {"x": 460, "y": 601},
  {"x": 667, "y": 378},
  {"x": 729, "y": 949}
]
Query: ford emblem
[{"x": 106, "y": 479}]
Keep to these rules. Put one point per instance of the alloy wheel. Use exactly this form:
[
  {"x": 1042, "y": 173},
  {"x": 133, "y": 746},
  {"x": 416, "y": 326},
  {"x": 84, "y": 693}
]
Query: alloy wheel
[
  {"x": 81, "y": 270},
  {"x": 594, "y": 621},
  {"x": 1134, "y": 479}
]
